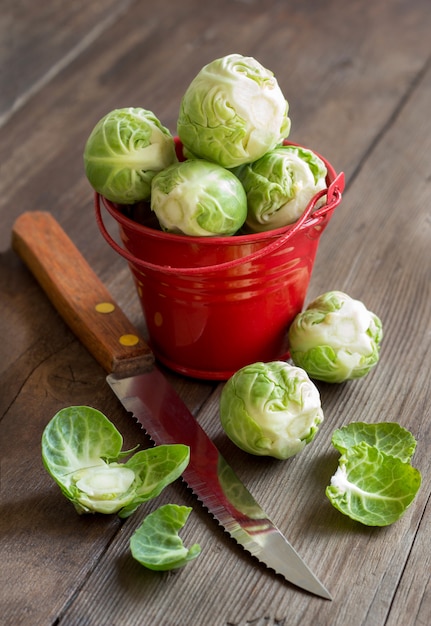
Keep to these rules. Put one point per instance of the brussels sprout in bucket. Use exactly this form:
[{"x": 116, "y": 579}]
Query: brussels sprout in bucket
[
  {"x": 280, "y": 185},
  {"x": 198, "y": 198},
  {"x": 270, "y": 409},
  {"x": 125, "y": 149},
  {"x": 232, "y": 112}
]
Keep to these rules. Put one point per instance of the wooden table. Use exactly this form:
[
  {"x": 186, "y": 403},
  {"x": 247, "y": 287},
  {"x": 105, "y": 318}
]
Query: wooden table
[{"x": 358, "y": 79}]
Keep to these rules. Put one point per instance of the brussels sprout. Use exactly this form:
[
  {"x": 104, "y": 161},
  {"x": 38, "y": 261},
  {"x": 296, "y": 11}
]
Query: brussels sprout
[
  {"x": 280, "y": 185},
  {"x": 80, "y": 450},
  {"x": 198, "y": 198},
  {"x": 232, "y": 112},
  {"x": 336, "y": 338},
  {"x": 270, "y": 409},
  {"x": 124, "y": 151}
]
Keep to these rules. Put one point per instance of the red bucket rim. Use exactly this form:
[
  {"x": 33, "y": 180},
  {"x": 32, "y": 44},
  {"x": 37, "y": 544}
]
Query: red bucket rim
[
  {"x": 273, "y": 238},
  {"x": 332, "y": 177}
]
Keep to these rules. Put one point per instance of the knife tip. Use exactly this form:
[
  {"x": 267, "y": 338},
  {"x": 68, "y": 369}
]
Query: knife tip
[{"x": 325, "y": 594}]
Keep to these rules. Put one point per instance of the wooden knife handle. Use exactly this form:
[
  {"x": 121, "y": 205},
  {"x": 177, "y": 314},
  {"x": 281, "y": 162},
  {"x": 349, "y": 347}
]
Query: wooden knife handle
[{"x": 79, "y": 295}]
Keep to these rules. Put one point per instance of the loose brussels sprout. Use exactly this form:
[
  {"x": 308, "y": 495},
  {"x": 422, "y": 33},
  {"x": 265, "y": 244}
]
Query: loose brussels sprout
[
  {"x": 270, "y": 409},
  {"x": 198, "y": 198},
  {"x": 280, "y": 185},
  {"x": 232, "y": 112},
  {"x": 336, "y": 338},
  {"x": 124, "y": 151}
]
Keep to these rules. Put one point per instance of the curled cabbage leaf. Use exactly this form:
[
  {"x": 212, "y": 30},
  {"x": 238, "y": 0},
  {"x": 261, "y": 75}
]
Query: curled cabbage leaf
[
  {"x": 270, "y": 409},
  {"x": 388, "y": 437},
  {"x": 336, "y": 338},
  {"x": 280, "y": 185},
  {"x": 156, "y": 543},
  {"x": 198, "y": 198},
  {"x": 371, "y": 486},
  {"x": 232, "y": 112},
  {"x": 125, "y": 149}
]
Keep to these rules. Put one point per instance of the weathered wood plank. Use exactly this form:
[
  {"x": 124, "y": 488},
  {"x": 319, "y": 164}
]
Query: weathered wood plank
[
  {"x": 39, "y": 39},
  {"x": 361, "y": 566},
  {"x": 412, "y": 604},
  {"x": 361, "y": 97}
]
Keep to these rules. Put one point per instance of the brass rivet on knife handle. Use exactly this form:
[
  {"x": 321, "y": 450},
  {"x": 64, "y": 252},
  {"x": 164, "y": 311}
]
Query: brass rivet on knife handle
[{"x": 79, "y": 295}]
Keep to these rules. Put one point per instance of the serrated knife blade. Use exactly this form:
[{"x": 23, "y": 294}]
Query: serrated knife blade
[{"x": 90, "y": 311}]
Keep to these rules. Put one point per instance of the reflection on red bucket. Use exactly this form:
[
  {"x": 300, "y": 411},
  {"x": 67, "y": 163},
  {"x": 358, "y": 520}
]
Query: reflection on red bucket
[{"x": 215, "y": 304}]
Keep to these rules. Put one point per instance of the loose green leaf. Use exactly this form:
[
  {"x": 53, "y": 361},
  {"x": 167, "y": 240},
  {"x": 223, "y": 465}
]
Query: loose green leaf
[
  {"x": 388, "y": 437},
  {"x": 156, "y": 544},
  {"x": 373, "y": 487},
  {"x": 80, "y": 450},
  {"x": 155, "y": 468}
]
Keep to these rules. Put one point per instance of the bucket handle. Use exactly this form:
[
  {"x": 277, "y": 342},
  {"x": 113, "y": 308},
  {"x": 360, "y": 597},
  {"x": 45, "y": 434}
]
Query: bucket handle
[{"x": 333, "y": 193}]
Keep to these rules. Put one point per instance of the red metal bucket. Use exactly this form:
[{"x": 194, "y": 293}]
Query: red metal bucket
[{"x": 215, "y": 304}]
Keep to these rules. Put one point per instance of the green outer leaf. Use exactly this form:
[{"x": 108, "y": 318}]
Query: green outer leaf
[
  {"x": 78, "y": 437},
  {"x": 156, "y": 544},
  {"x": 388, "y": 437},
  {"x": 155, "y": 468},
  {"x": 373, "y": 487},
  {"x": 332, "y": 366}
]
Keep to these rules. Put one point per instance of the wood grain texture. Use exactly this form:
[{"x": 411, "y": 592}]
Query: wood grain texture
[
  {"x": 39, "y": 40},
  {"x": 357, "y": 77}
]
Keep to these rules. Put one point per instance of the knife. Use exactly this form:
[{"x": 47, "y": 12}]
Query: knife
[{"x": 92, "y": 314}]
